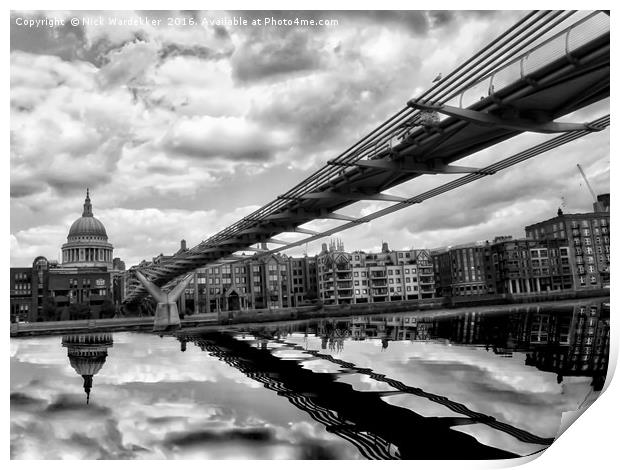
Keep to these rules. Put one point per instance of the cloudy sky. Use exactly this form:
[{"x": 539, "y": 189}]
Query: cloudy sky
[{"x": 181, "y": 130}]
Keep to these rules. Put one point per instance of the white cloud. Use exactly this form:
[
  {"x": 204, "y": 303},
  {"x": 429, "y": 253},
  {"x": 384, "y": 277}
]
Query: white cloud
[{"x": 198, "y": 120}]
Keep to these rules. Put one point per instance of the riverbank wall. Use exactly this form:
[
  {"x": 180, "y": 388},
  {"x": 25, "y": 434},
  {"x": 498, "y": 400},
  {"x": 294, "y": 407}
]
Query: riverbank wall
[{"x": 484, "y": 302}]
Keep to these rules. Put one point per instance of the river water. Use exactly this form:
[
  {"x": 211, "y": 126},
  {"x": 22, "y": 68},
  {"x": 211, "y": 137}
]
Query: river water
[{"x": 408, "y": 386}]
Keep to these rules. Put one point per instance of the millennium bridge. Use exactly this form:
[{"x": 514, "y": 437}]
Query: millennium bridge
[{"x": 546, "y": 66}]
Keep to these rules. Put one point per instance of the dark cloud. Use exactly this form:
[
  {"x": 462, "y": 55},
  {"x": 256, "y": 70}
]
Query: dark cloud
[
  {"x": 63, "y": 41},
  {"x": 25, "y": 188},
  {"x": 67, "y": 41},
  {"x": 221, "y": 32},
  {"x": 270, "y": 55},
  {"x": 197, "y": 438},
  {"x": 204, "y": 152},
  {"x": 170, "y": 50},
  {"x": 100, "y": 50},
  {"x": 71, "y": 404},
  {"x": 306, "y": 448},
  {"x": 23, "y": 400},
  {"x": 319, "y": 450},
  {"x": 162, "y": 420},
  {"x": 66, "y": 184}
]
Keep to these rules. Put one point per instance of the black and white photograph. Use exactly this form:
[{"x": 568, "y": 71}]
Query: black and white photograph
[{"x": 308, "y": 234}]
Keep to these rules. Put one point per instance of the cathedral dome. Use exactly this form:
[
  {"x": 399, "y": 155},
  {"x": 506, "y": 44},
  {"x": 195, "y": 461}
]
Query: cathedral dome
[{"x": 87, "y": 225}]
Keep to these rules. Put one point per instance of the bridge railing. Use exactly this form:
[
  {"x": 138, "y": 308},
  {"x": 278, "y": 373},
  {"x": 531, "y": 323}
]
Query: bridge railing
[{"x": 561, "y": 44}]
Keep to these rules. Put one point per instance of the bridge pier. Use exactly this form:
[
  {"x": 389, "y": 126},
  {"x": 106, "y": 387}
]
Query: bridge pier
[{"x": 167, "y": 312}]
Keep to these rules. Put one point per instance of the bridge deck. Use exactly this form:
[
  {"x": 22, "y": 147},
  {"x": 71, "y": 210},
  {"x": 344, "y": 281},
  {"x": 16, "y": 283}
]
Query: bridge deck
[{"x": 414, "y": 143}]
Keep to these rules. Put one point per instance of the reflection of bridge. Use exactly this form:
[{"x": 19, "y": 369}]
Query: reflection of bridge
[
  {"x": 490, "y": 421},
  {"x": 546, "y": 66},
  {"x": 379, "y": 430}
]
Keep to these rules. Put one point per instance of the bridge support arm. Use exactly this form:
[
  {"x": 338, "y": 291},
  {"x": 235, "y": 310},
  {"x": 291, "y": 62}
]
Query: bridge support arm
[
  {"x": 491, "y": 120},
  {"x": 167, "y": 312}
]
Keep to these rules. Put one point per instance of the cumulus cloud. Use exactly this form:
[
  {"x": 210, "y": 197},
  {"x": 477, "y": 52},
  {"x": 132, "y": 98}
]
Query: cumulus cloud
[{"x": 207, "y": 118}]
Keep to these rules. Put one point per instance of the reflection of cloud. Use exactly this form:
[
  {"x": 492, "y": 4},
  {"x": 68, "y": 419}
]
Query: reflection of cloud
[
  {"x": 153, "y": 401},
  {"x": 24, "y": 401},
  {"x": 484, "y": 382},
  {"x": 199, "y": 438},
  {"x": 68, "y": 405}
]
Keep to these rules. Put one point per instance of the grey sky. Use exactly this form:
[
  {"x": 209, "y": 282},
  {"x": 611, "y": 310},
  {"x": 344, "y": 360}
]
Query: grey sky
[{"x": 180, "y": 131}]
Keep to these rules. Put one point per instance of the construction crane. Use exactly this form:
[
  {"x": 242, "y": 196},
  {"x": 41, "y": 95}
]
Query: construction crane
[{"x": 596, "y": 203}]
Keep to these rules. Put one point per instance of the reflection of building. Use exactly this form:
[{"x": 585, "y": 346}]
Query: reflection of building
[
  {"x": 588, "y": 237},
  {"x": 569, "y": 345},
  {"x": 88, "y": 276},
  {"x": 87, "y": 354}
]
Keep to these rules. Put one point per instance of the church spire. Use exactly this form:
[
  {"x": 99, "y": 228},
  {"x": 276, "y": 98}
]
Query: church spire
[
  {"x": 88, "y": 383},
  {"x": 88, "y": 208}
]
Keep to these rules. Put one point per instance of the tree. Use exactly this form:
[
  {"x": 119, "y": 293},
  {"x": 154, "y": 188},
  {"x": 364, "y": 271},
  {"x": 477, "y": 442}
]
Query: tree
[
  {"x": 107, "y": 309},
  {"x": 311, "y": 295},
  {"x": 79, "y": 311},
  {"x": 64, "y": 314},
  {"x": 49, "y": 310}
]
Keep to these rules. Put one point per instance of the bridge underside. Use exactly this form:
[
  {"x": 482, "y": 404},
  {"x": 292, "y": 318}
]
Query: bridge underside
[{"x": 424, "y": 146}]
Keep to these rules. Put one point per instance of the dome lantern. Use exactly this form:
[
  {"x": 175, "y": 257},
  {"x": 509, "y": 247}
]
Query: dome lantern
[{"x": 88, "y": 208}]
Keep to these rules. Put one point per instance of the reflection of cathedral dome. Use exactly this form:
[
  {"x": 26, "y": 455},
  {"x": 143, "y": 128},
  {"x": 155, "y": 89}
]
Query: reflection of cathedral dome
[
  {"x": 87, "y": 241},
  {"x": 87, "y": 354}
]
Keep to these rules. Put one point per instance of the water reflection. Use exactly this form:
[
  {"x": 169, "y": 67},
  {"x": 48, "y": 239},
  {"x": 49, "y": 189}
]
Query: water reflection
[
  {"x": 87, "y": 354},
  {"x": 478, "y": 385},
  {"x": 567, "y": 341}
]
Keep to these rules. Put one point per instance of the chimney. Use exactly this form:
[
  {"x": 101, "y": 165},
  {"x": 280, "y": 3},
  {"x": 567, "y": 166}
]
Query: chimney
[
  {"x": 183, "y": 245},
  {"x": 384, "y": 247}
]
